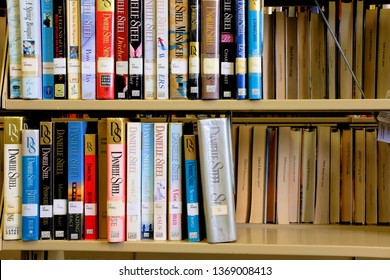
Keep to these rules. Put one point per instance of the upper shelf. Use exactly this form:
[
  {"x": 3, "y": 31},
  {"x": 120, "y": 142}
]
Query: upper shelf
[{"x": 281, "y": 106}]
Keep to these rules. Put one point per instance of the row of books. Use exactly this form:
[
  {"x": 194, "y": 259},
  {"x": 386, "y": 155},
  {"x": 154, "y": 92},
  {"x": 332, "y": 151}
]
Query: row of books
[
  {"x": 118, "y": 180},
  {"x": 312, "y": 174}
]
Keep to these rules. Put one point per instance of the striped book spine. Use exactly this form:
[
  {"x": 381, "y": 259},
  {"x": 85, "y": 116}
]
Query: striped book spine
[
  {"x": 122, "y": 49},
  {"x": 162, "y": 47},
  {"x": 74, "y": 49},
  {"x": 47, "y": 49},
  {"x": 60, "y": 50},
  {"x": 194, "y": 51},
  {"x": 150, "y": 50},
  {"x": 241, "y": 51}
]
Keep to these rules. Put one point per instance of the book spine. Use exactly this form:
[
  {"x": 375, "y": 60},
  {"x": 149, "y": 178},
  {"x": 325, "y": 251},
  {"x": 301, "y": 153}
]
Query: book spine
[
  {"x": 102, "y": 177},
  {"x": 88, "y": 51},
  {"x": 178, "y": 49},
  {"x": 255, "y": 49},
  {"x": 133, "y": 181},
  {"x": 150, "y": 50},
  {"x": 122, "y": 49},
  {"x": 15, "y": 49},
  {"x": 30, "y": 184},
  {"x": 90, "y": 194},
  {"x": 136, "y": 57},
  {"x": 46, "y": 175},
  {"x": 210, "y": 36},
  {"x": 217, "y": 180},
  {"x": 147, "y": 181},
  {"x": 116, "y": 179},
  {"x": 47, "y": 49},
  {"x": 175, "y": 187},
  {"x": 105, "y": 49},
  {"x": 30, "y": 30},
  {"x": 12, "y": 217},
  {"x": 241, "y": 49},
  {"x": 194, "y": 51},
  {"x": 60, "y": 50},
  {"x": 74, "y": 48},
  {"x": 60, "y": 194},
  {"x": 162, "y": 47}
]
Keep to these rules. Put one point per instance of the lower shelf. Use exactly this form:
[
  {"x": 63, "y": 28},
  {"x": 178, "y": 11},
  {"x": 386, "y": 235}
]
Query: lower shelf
[{"x": 298, "y": 240}]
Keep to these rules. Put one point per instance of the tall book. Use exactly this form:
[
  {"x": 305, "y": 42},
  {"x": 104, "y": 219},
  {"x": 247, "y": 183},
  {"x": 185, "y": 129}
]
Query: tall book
[
  {"x": 294, "y": 194},
  {"x": 105, "y": 49},
  {"x": 150, "y": 47},
  {"x": 90, "y": 187},
  {"x": 268, "y": 54},
  {"x": 133, "y": 191},
  {"x": 163, "y": 44},
  {"x": 12, "y": 213},
  {"x": 371, "y": 177},
  {"x": 116, "y": 179},
  {"x": 136, "y": 60},
  {"x": 30, "y": 30},
  {"x": 178, "y": 49},
  {"x": 121, "y": 49},
  {"x": 335, "y": 171},
  {"x": 194, "y": 86},
  {"x": 280, "y": 53},
  {"x": 47, "y": 49},
  {"x": 292, "y": 51},
  {"x": 346, "y": 191},
  {"x": 383, "y": 61},
  {"x": 147, "y": 181},
  {"x": 359, "y": 176},
  {"x": 331, "y": 49},
  {"x": 217, "y": 175},
  {"x": 271, "y": 165},
  {"x": 303, "y": 54},
  {"x": 30, "y": 184},
  {"x": 383, "y": 183},
  {"x": 241, "y": 49},
  {"x": 60, "y": 50},
  {"x": 74, "y": 49},
  {"x": 46, "y": 183},
  {"x": 15, "y": 49},
  {"x": 210, "y": 36},
  {"x": 88, "y": 50},
  {"x": 358, "y": 47},
  {"x": 102, "y": 177}
]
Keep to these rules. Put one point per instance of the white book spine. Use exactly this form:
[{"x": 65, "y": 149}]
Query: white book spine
[
  {"x": 294, "y": 176},
  {"x": 150, "y": 50},
  {"x": 162, "y": 41},
  {"x": 335, "y": 159},
  {"x": 74, "y": 49}
]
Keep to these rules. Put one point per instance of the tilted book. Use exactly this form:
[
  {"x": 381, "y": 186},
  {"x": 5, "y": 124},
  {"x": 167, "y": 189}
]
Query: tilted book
[
  {"x": 60, "y": 50},
  {"x": 121, "y": 49},
  {"x": 216, "y": 168},
  {"x": 194, "y": 51},
  {"x": 47, "y": 49},
  {"x": 162, "y": 47},
  {"x": 150, "y": 48}
]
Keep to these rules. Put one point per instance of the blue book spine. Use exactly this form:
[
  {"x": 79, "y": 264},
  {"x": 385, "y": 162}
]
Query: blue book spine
[
  {"x": 255, "y": 49},
  {"x": 147, "y": 181},
  {"x": 30, "y": 184},
  {"x": 76, "y": 132},
  {"x": 47, "y": 49},
  {"x": 241, "y": 57},
  {"x": 15, "y": 49},
  {"x": 88, "y": 53}
]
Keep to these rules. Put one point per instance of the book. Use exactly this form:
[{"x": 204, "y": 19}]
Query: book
[
  {"x": 116, "y": 179},
  {"x": 121, "y": 49},
  {"x": 12, "y": 188},
  {"x": 383, "y": 183},
  {"x": 74, "y": 48},
  {"x": 30, "y": 184},
  {"x": 178, "y": 49},
  {"x": 292, "y": 51},
  {"x": 383, "y": 64},
  {"x": 105, "y": 49},
  {"x": 241, "y": 49},
  {"x": 303, "y": 54},
  {"x": 331, "y": 49},
  {"x": 90, "y": 187},
  {"x": 359, "y": 176},
  {"x": 371, "y": 177},
  {"x": 163, "y": 48},
  {"x": 294, "y": 194},
  {"x": 46, "y": 138},
  {"x": 280, "y": 54},
  {"x": 358, "y": 47},
  {"x": 88, "y": 50},
  {"x": 175, "y": 182},
  {"x": 271, "y": 165},
  {"x": 268, "y": 54},
  {"x": 30, "y": 30},
  {"x": 335, "y": 172},
  {"x": 217, "y": 175},
  {"x": 209, "y": 52},
  {"x": 150, "y": 48},
  {"x": 60, "y": 50},
  {"x": 47, "y": 49},
  {"x": 102, "y": 177},
  {"x": 160, "y": 171},
  {"x": 346, "y": 43},
  {"x": 346, "y": 192},
  {"x": 133, "y": 188},
  {"x": 136, "y": 60},
  {"x": 194, "y": 50}
]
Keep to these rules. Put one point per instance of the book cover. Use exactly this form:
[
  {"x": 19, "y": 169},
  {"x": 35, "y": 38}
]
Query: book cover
[
  {"x": 383, "y": 183},
  {"x": 175, "y": 182},
  {"x": 150, "y": 44},
  {"x": 46, "y": 180},
  {"x": 15, "y": 49},
  {"x": 194, "y": 85},
  {"x": 280, "y": 54},
  {"x": 359, "y": 176},
  {"x": 136, "y": 57},
  {"x": 241, "y": 49},
  {"x": 74, "y": 49},
  {"x": 346, "y": 43},
  {"x": 346, "y": 187},
  {"x": 209, "y": 52},
  {"x": 162, "y": 47},
  {"x": 47, "y": 49},
  {"x": 102, "y": 177},
  {"x": 371, "y": 177},
  {"x": 134, "y": 146},
  {"x": 121, "y": 49},
  {"x": 217, "y": 175},
  {"x": 147, "y": 181},
  {"x": 271, "y": 164},
  {"x": 12, "y": 213},
  {"x": 335, "y": 172},
  {"x": 30, "y": 184},
  {"x": 88, "y": 50},
  {"x": 178, "y": 49},
  {"x": 105, "y": 49},
  {"x": 30, "y": 32},
  {"x": 294, "y": 185},
  {"x": 116, "y": 179},
  {"x": 90, "y": 187},
  {"x": 60, "y": 50}
]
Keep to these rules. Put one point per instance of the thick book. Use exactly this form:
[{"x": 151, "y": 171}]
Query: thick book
[
  {"x": 241, "y": 49},
  {"x": 102, "y": 177},
  {"x": 271, "y": 165},
  {"x": 194, "y": 86},
  {"x": 294, "y": 185},
  {"x": 335, "y": 172},
  {"x": 346, "y": 42},
  {"x": 346, "y": 187},
  {"x": 209, "y": 52},
  {"x": 178, "y": 49},
  {"x": 383, "y": 61},
  {"x": 371, "y": 177},
  {"x": 46, "y": 180},
  {"x": 383, "y": 183},
  {"x": 359, "y": 176},
  {"x": 216, "y": 168},
  {"x": 150, "y": 48},
  {"x": 116, "y": 179},
  {"x": 74, "y": 49},
  {"x": 163, "y": 44},
  {"x": 121, "y": 49},
  {"x": 136, "y": 58},
  {"x": 30, "y": 184},
  {"x": 12, "y": 188},
  {"x": 105, "y": 49},
  {"x": 47, "y": 49},
  {"x": 60, "y": 50}
]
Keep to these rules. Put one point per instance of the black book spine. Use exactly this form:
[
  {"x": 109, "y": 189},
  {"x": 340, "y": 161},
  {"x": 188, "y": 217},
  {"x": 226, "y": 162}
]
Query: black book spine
[{"x": 194, "y": 51}]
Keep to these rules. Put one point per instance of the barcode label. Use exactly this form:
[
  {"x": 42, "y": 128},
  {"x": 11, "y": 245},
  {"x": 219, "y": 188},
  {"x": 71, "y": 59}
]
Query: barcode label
[
  {"x": 136, "y": 93},
  {"x": 115, "y": 234},
  {"x": 193, "y": 235},
  {"x": 132, "y": 235}
]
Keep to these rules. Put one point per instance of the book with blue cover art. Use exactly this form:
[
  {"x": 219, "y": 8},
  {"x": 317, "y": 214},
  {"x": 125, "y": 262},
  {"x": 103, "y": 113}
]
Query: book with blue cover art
[{"x": 47, "y": 49}]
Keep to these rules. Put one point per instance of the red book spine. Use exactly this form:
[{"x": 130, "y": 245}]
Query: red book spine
[
  {"x": 105, "y": 49},
  {"x": 122, "y": 49}
]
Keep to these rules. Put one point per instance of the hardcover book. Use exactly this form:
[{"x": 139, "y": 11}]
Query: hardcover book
[
  {"x": 294, "y": 196},
  {"x": 102, "y": 177},
  {"x": 150, "y": 67},
  {"x": 60, "y": 50},
  {"x": 280, "y": 54},
  {"x": 359, "y": 176},
  {"x": 346, "y": 187},
  {"x": 371, "y": 177},
  {"x": 346, "y": 42},
  {"x": 384, "y": 183},
  {"x": 383, "y": 61},
  {"x": 194, "y": 86},
  {"x": 292, "y": 58},
  {"x": 121, "y": 49},
  {"x": 162, "y": 47},
  {"x": 271, "y": 163},
  {"x": 335, "y": 171},
  {"x": 47, "y": 49}
]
